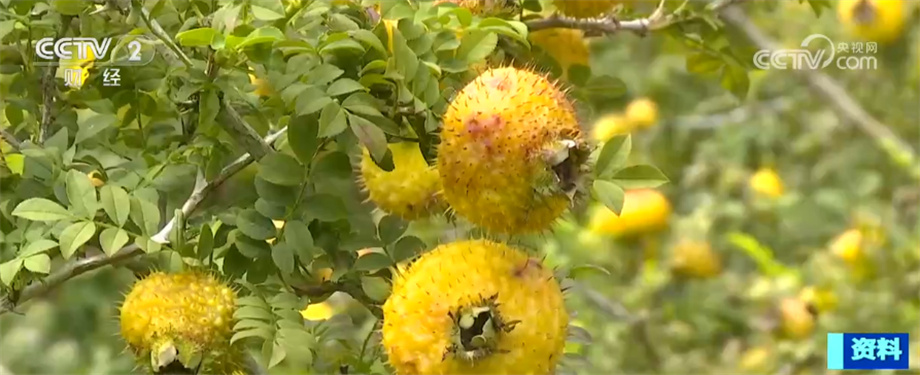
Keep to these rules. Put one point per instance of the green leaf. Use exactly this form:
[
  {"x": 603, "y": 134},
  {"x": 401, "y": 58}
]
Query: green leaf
[
  {"x": 41, "y": 209},
  {"x": 75, "y": 236},
  {"x": 267, "y": 34},
  {"x": 367, "y": 37},
  {"x": 332, "y": 120},
  {"x": 407, "y": 248},
  {"x": 112, "y": 240},
  {"x": 376, "y": 288},
  {"x": 9, "y": 270},
  {"x": 298, "y": 235},
  {"x": 324, "y": 74},
  {"x": 281, "y": 169},
  {"x": 390, "y": 228},
  {"x": 254, "y": 225},
  {"x": 37, "y": 247},
  {"x": 258, "y": 312},
  {"x": 81, "y": 194},
  {"x": 302, "y": 136},
  {"x": 370, "y": 136},
  {"x": 89, "y": 124},
  {"x": 610, "y": 194},
  {"x": 476, "y": 45},
  {"x": 283, "y": 256},
  {"x": 251, "y": 248},
  {"x": 325, "y": 207},
  {"x": 604, "y": 87},
  {"x": 362, "y": 103},
  {"x": 344, "y": 86},
  {"x": 343, "y": 45},
  {"x": 735, "y": 79},
  {"x": 639, "y": 177},
  {"x": 208, "y": 108},
  {"x": 703, "y": 63},
  {"x": 579, "y": 272},
  {"x": 116, "y": 203},
  {"x": 39, "y": 263},
  {"x": 761, "y": 254},
  {"x": 263, "y": 333},
  {"x": 311, "y": 100},
  {"x": 205, "y": 242},
  {"x": 372, "y": 262},
  {"x": 277, "y": 353},
  {"x": 145, "y": 214},
  {"x": 200, "y": 37},
  {"x": 265, "y": 14},
  {"x": 613, "y": 155},
  {"x": 147, "y": 244}
]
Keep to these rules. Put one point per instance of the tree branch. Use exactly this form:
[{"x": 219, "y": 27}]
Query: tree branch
[
  {"x": 10, "y": 139},
  {"x": 234, "y": 124},
  {"x": 609, "y": 25},
  {"x": 832, "y": 93},
  {"x": 49, "y": 89},
  {"x": 161, "y": 34},
  {"x": 80, "y": 266}
]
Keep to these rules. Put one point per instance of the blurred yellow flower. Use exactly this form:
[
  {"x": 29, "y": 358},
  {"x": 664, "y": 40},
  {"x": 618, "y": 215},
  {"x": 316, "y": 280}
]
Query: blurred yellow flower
[
  {"x": 767, "y": 182},
  {"x": 755, "y": 360},
  {"x": 821, "y": 298},
  {"x": 848, "y": 246},
  {"x": 798, "y": 322},
  {"x": 318, "y": 311},
  {"x": 262, "y": 86},
  {"x": 94, "y": 178},
  {"x": 642, "y": 113},
  {"x": 644, "y": 211}
]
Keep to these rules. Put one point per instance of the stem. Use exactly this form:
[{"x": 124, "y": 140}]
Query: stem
[{"x": 161, "y": 34}]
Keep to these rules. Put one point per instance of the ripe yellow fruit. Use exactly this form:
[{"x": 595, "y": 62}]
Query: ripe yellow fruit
[
  {"x": 610, "y": 126},
  {"x": 487, "y": 8},
  {"x": 475, "y": 307},
  {"x": 755, "y": 360},
  {"x": 767, "y": 182},
  {"x": 585, "y": 8},
  {"x": 880, "y": 21},
  {"x": 644, "y": 211},
  {"x": 318, "y": 311},
  {"x": 822, "y": 299},
  {"x": 263, "y": 88},
  {"x": 848, "y": 246},
  {"x": 94, "y": 178},
  {"x": 642, "y": 113},
  {"x": 696, "y": 259},
  {"x": 178, "y": 319},
  {"x": 411, "y": 190},
  {"x": 512, "y": 156},
  {"x": 797, "y": 318},
  {"x": 566, "y": 46}
]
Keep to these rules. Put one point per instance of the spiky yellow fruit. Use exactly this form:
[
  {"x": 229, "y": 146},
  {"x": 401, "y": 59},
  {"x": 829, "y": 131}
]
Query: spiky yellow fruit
[
  {"x": 609, "y": 126},
  {"x": 566, "y": 46},
  {"x": 644, "y": 211},
  {"x": 696, "y": 259},
  {"x": 512, "y": 155},
  {"x": 181, "y": 319},
  {"x": 487, "y": 8},
  {"x": 766, "y": 182},
  {"x": 642, "y": 112},
  {"x": 585, "y": 8},
  {"x": 475, "y": 307},
  {"x": 879, "y": 21},
  {"x": 411, "y": 190}
]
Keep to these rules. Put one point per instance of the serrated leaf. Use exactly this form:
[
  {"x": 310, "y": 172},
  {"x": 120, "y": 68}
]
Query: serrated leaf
[
  {"x": 9, "y": 270},
  {"x": 283, "y": 256},
  {"x": 81, "y": 194},
  {"x": 582, "y": 271},
  {"x": 476, "y": 45},
  {"x": 246, "y": 324},
  {"x": 613, "y": 155},
  {"x": 370, "y": 136},
  {"x": 281, "y": 169},
  {"x": 263, "y": 333},
  {"x": 254, "y": 225},
  {"x": 390, "y": 228},
  {"x": 610, "y": 194},
  {"x": 112, "y": 240},
  {"x": 39, "y": 263},
  {"x": 311, "y": 100},
  {"x": 253, "y": 312},
  {"x": 298, "y": 235},
  {"x": 372, "y": 262},
  {"x": 145, "y": 214},
  {"x": 37, "y": 247},
  {"x": 325, "y": 207},
  {"x": 74, "y": 236},
  {"x": 41, "y": 209},
  {"x": 639, "y": 177},
  {"x": 116, "y": 203},
  {"x": 332, "y": 120},
  {"x": 367, "y": 37}
]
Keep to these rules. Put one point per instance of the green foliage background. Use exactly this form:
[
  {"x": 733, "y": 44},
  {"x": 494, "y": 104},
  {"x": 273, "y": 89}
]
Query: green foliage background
[{"x": 342, "y": 80}]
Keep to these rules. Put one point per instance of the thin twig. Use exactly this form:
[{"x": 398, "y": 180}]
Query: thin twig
[
  {"x": 161, "y": 34},
  {"x": 49, "y": 89},
  {"x": 609, "y": 25},
  {"x": 10, "y": 139},
  {"x": 833, "y": 94},
  {"x": 80, "y": 266},
  {"x": 242, "y": 132}
]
